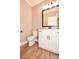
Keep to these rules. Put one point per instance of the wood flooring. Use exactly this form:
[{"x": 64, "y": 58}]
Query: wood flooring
[{"x": 34, "y": 52}]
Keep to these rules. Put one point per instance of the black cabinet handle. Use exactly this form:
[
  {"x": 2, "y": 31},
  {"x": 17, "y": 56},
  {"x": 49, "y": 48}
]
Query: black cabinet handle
[{"x": 48, "y": 37}]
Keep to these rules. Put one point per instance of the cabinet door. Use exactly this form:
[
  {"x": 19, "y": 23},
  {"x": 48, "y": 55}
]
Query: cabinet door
[
  {"x": 54, "y": 42},
  {"x": 43, "y": 42}
]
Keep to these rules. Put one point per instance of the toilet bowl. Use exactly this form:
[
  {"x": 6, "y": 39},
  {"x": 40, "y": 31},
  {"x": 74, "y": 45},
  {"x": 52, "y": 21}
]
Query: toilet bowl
[{"x": 32, "y": 38}]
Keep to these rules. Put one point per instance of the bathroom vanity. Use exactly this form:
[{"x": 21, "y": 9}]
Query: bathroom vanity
[{"x": 49, "y": 39}]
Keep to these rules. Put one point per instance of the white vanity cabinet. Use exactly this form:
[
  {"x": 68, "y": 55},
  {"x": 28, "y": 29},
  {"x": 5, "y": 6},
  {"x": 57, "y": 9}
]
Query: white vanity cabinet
[{"x": 49, "y": 40}]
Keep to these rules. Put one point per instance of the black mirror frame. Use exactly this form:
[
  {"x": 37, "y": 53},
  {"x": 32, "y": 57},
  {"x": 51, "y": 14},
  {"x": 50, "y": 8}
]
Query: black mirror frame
[{"x": 43, "y": 17}]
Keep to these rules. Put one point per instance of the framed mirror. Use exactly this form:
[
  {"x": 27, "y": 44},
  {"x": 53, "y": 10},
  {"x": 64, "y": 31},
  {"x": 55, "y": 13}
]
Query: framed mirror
[{"x": 50, "y": 17}]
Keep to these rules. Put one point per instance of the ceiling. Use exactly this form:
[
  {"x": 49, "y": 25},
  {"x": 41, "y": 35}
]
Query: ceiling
[{"x": 34, "y": 2}]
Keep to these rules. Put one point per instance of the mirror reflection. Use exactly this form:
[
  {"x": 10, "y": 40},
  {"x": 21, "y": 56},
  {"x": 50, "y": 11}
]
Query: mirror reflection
[{"x": 51, "y": 17}]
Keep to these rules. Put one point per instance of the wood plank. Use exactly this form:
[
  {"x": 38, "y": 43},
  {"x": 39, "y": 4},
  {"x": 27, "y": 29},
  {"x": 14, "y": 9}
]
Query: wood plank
[{"x": 34, "y": 52}]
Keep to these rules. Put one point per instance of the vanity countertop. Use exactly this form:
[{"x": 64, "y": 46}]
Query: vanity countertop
[{"x": 54, "y": 30}]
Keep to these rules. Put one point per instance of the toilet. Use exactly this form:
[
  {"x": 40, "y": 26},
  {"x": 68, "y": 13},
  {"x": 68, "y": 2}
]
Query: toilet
[{"x": 32, "y": 38}]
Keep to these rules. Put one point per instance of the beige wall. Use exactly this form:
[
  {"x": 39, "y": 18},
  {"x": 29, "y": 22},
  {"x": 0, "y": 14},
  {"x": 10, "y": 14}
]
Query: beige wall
[
  {"x": 37, "y": 15},
  {"x": 25, "y": 19},
  {"x": 30, "y": 18}
]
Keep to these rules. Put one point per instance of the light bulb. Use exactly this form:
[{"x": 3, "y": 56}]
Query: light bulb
[
  {"x": 47, "y": 6},
  {"x": 50, "y": 5}
]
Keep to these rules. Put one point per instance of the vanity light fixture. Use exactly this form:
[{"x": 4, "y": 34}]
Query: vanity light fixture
[{"x": 50, "y": 5}]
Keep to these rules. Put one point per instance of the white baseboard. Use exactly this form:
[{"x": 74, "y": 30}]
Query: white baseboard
[
  {"x": 23, "y": 43},
  {"x": 55, "y": 51}
]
